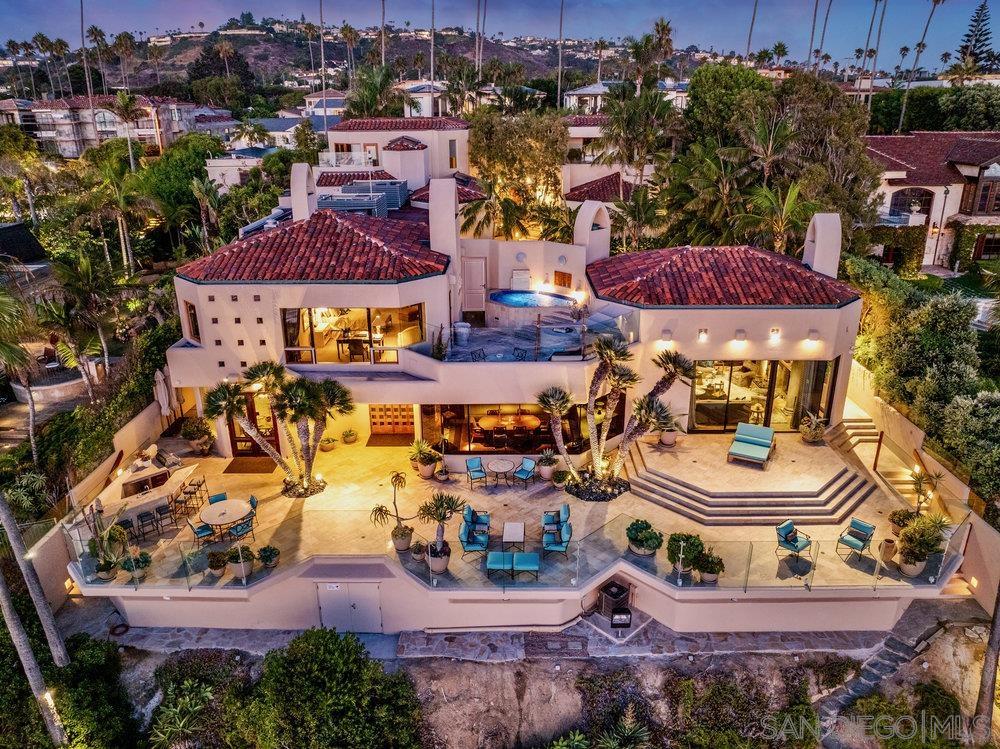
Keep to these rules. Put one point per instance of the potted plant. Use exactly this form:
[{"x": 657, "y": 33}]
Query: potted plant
[
  {"x": 547, "y": 462},
  {"x": 217, "y": 562},
  {"x": 417, "y": 448},
  {"x": 899, "y": 519},
  {"x": 643, "y": 539},
  {"x": 559, "y": 479},
  {"x": 709, "y": 566},
  {"x": 924, "y": 485},
  {"x": 268, "y": 556},
  {"x": 917, "y": 541},
  {"x": 198, "y": 433},
  {"x": 137, "y": 564},
  {"x": 683, "y": 549},
  {"x": 349, "y": 436},
  {"x": 442, "y": 474},
  {"x": 418, "y": 551},
  {"x": 668, "y": 432},
  {"x": 812, "y": 428},
  {"x": 401, "y": 534},
  {"x": 241, "y": 558},
  {"x": 427, "y": 461},
  {"x": 440, "y": 509},
  {"x": 108, "y": 545},
  {"x": 327, "y": 444}
]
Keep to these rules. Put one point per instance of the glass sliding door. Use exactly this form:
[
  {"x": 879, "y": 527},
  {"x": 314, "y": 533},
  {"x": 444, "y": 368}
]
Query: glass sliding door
[{"x": 351, "y": 335}]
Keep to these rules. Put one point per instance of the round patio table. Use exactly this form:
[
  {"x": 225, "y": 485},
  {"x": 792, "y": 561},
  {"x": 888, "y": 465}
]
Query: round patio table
[
  {"x": 500, "y": 468},
  {"x": 225, "y": 513}
]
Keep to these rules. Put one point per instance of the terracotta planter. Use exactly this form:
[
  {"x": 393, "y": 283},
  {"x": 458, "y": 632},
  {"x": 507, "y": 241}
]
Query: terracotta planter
[
  {"x": 912, "y": 570},
  {"x": 414, "y": 465},
  {"x": 668, "y": 439},
  {"x": 418, "y": 556},
  {"x": 350, "y": 440},
  {"x": 546, "y": 472},
  {"x": 558, "y": 484},
  {"x": 272, "y": 565},
  {"x": 242, "y": 569},
  {"x": 710, "y": 578},
  {"x": 896, "y": 530},
  {"x": 888, "y": 550},
  {"x": 442, "y": 475},
  {"x": 216, "y": 573},
  {"x": 109, "y": 575},
  {"x": 402, "y": 543},
  {"x": 327, "y": 446},
  {"x": 138, "y": 575},
  {"x": 202, "y": 446},
  {"x": 427, "y": 471},
  {"x": 438, "y": 565},
  {"x": 640, "y": 550}
]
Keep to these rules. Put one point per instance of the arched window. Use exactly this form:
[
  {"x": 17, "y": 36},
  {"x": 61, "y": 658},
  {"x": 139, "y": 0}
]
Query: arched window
[{"x": 904, "y": 201}]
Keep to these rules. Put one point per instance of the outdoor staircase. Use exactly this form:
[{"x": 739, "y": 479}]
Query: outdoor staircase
[
  {"x": 900, "y": 479},
  {"x": 830, "y": 504},
  {"x": 852, "y": 432},
  {"x": 559, "y": 316}
]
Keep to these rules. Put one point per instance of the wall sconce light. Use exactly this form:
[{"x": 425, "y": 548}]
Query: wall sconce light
[
  {"x": 521, "y": 257},
  {"x": 775, "y": 335},
  {"x": 813, "y": 335},
  {"x": 741, "y": 335},
  {"x": 935, "y": 229},
  {"x": 667, "y": 335},
  {"x": 702, "y": 335},
  {"x": 562, "y": 260}
]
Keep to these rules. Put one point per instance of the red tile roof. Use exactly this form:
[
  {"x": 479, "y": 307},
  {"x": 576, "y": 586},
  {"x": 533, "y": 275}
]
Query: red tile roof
[
  {"x": 979, "y": 151},
  {"x": 401, "y": 123},
  {"x": 585, "y": 120},
  {"x": 604, "y": 189},
  {"x": 466, "y": 193},
  {"x": 327, "y": 93},
  {"x": 328, "y": 247},
  {"x": 925, "y": 156},
  {"x": 339, "y": 179},
  {"x": 404, "y": 143},
  {"x": 100, "y": 100},
  {"x": 738, "y": 276}
]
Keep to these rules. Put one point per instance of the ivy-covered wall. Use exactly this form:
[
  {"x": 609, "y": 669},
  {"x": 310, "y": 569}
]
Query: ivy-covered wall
[
  {"x": 908, "y": 242},
  {"x": 965, "y": 242}
]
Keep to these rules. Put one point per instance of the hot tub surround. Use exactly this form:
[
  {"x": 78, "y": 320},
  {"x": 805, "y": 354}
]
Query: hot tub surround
[{"x": 511, "y": 308}]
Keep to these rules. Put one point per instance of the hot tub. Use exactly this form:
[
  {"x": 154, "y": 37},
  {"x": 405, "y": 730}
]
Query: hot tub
[{"x": 510, "y": 308}]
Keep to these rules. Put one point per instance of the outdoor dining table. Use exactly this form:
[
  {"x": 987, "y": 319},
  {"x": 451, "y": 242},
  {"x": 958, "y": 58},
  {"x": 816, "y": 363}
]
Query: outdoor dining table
[
  {"x": 528, "y": 421},
  {"x": 500, "y": 468},
  {"x": 226, "y": 513}
]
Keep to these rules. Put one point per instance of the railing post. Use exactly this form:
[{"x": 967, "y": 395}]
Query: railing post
[{"x": 878, "y": 450}]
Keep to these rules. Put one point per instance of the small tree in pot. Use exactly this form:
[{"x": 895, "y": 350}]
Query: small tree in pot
[
  {"x": 918, "y": 541},
  {"x": 241, "y": 558},
  {"x": 643, "y": 539},
  {"x": 683, "y": 549},
  {"x": 899, "y": 519},
  {"x": 350, "y": 436},
  {"x": 108, "y": 544},
  {"x": 198, "y": 433},
  {"x": 380, "y": 515},
  {"x": 417, "y": 448},
  {"x": 137, "y": 564},
  {"x": 440, "y": 509},
  {"x": 709, "y": 566},
  {"x": 217, "y": 562},
  {"x": 418, "y": 551},
  {"x": 812, "y": 428},
  {"x": 268, "y": 556},
  {"x": 559, "y": 479},
  {"x": 427, "y": 461},
  {"x": 547, "y": 462}
]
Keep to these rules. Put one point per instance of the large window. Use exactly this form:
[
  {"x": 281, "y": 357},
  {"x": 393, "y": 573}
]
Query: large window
[
  {"x": 981, "y": 197},
  {"x": 453, "y": 154},
  {"x": 350, "y": 335},
  {"x": 987, "y": 247},
  {"x": 194, "y": 332},
  {"x": 772, "y": 393},
  {"x": 518, "y": 428},
  {"x": 910, "y": 198}
]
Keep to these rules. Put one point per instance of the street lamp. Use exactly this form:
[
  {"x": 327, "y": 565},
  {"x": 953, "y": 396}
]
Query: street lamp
[{"x": 937, "y": 241}]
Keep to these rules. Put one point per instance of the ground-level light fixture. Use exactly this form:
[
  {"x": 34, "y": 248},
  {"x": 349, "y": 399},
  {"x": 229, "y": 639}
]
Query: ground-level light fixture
[
  {"x": 775, "y": 335},
  {"x": 702, "y": 335}
]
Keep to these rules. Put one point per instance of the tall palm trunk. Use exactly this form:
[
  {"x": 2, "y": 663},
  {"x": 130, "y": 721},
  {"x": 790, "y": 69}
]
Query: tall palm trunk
[
  {"x": 878, "y": 47},
  {"x": 128, "y": 139},
  {"x": 559, "y": 75},
  {"x": 19, "y": 81},
  {"x": 59, "y": 655},
  {"x": 753, "y": 20},
  {"x": 33, "y": 672},
  {"x": 25, "y": 381},
  {"x": 104, "y": 350},
  {"x": 81, "y": 367},
  {"x": 267, "y": 447},
  {"x": 479, "y": 35},
  {"x": 312, "y": 64},
  {"x": 812, "y": 31},
  {"x": 868, "y": 39},
  {"x": 982, "y": 723},
  {"x": 826, "y": 20},
  {"x": 104, "y": 244},
  {"x": 555, "y": 424},
  {"x": 305, "y": 442},
  {"x": 69, "y": 81},
  {"x": 122, "y": 233},
  {"x": 104, "y": 72},
  {"x": 29, "y": 195},
  {"x": 610, "y": 407},
  {"x": 203, "y": 210},
  {"x": 600, "y": 62},
  {"x": 916, "y": 64},
  {"x": 600, "y": 374},
  {"x": 382, "y": 34}
]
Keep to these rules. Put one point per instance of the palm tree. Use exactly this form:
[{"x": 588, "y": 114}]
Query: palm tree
[
  {"x": 640, "y": 212},
  {"x": 33, "y": 672},
  {"x": 48, "y": 621},
  {"x": 945, "y": 57},
  {"x": 663, "y": 36},
  {"x": 611, "y": 352},
  {"x": 268, "y": 378},
  {"x": 60, "y": 48},
  {"x": 44, "y": 46},
  {"x": 28, "y": 49},
  {"x": 225, "y": 51},
  {"x": 93, "y": 291},
  {"x": 903, "y": 52},
  {"x": 209, "y": 204},
  {"x": 16, "y": 325},
  {"x": 97, "y": 37},
  {"x": 155, "y": 55},
  {"x": 635, "y": 129},
  {"x": 775, "y": 217},
  {"x": 228, "y": 401},
  {"x": 495, "y": 212},
  {"x": 62, "y": 317},
  {"x": 921, "y": 46},
  {"x": 382, "y": 33},
  {"x": 555, "y": 223},
  {"x": 780, "y": 50},
  {"x": 960, "y": 73},
  {"x": 822, "y": 34},
  {"x": 868, "y": 39},
  {"x": 373, "y": 93},
  {"x": 310, "y": 31},
  {"x": 14, "y": 49},
  {"x": 419, "y": 60},
  {"x": 812, "y": 31},
  {"x": 620, "y": 379},
  {"x": 440, "y": 509},
  {"x": 562, "y": 5},
  {"x": 463, "y": 83},
  {"x": 878, "y": 47},
  {"x": 556, "y": 402},
  {"x": 124, "y": 46},
  {"x": 769, "y": 140},
  {"x": 126, "y": 108},
  {"x": 600, "y": 47},
  {"x": 120, "y": 195},
  {"x": 351, "y": 38},
  {"x": 254, "y": 133},
  {"x": 753, "y": 20}
]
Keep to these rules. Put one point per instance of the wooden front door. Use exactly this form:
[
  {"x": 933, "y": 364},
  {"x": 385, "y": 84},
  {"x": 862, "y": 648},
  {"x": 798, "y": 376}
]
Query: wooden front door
[
  {"x": 391, "y": 418},
  {"x": 474, "y": 284},
  {"x": 259, "y": 414}
]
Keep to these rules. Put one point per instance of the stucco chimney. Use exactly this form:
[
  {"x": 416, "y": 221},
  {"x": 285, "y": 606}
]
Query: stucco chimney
[
  {"x": 303, "y": 189},
  {"x": 444, "y": 217},
  {"x": 593, "y": 230},
  {"x": 822, "y": 247}
]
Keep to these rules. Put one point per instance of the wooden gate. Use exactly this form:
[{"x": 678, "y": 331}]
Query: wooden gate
[{"x": 391, "y": 418}]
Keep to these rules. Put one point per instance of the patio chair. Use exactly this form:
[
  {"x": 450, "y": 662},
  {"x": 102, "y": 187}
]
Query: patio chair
[
  {"x": 525, "y": 561},
  {"x": 557, "y": 542},
  {"x": 502, "y": 561},
  {"x": 752, "y": 443},
  {"x": 556, "y": 517},
  {"x": 526, "y": 471},
  {"x": 473, "y": 541},
  {"x": 220, "y": 497},
  {"x": 128, "y": 526},
  {"x": 474, "y": 470},
  {"x": 478, "y": 521},
  {"x": 478, "y": 355},
  {"x": 165, "y": 512},
  {"x": 202, "y": 532},
  {"x": 857, "y": 537},
  {"x": 241, "y": 530},
  {"x": 791, "y": 539}
]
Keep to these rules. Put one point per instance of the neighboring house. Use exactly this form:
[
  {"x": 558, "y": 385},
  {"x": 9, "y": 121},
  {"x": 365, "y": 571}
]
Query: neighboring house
[
  {"x": 589, "y": 99},
  {"x": 331, "y": 99},
  {"x": 233, "y": 167},
  {"x": 582, "y": 178},
  {"x": 282, "y": 129},
  {"x": 221, "y": 124},
  {"x": 607, "y": 189},
  {"x": 946, "y": 181},
  {"x": 861, "y": 90},
  {"x": 430, "y": 99},
  {"x": 17, "y": 112},
  {"x": 412, "y": 148},
  {"x": 67, "y": 126}
]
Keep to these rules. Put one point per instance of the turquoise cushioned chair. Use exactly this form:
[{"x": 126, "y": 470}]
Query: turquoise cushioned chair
[
  {"x": 526, "y": 471},
  {"x": 857, "y": 537},
  {"x": 557, "y": 543},
  {"x": 752, "y": 443},
  {"x": 473, "y": 542},
  {"x": 791, "y": 539},
  {"x": 478, "y": 521},
  {"x": 474, "y": 470}
]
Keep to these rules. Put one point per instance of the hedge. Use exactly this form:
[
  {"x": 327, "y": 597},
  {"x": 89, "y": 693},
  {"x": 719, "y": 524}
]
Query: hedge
[
  {"x": 909, "y": 242},
  {"x": 965, "y": 242}
]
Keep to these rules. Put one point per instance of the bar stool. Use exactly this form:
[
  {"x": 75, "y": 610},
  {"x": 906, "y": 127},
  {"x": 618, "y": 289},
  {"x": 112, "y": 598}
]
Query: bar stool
[
  {"x": 199, "y": 483},
  {"x": 164, "y": 512},
  {"x": 190, "y": 497},
  {"x": 147, "y": 520}
]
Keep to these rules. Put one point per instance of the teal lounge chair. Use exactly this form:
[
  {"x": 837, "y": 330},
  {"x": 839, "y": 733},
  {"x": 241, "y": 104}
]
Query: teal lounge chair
[
  {"x": 857, "y": 537},
  {"x": 221, "y": 497},
  {"x": 474, "y": 470},
  {"x": 526, "y": 471},
  {"x": 557, "y": 543},
  {"x": 753, "y": 444},
  {"x": 525, "y": 562},
  {"x": 478, "y": 521},
  {"x": 499, "y": 561},
  {"x": 556, "y": 517},
  {"x": 202, "y": 532},
  {"x": 473, "y": 542},
  {"x": 791, "y": 539}
]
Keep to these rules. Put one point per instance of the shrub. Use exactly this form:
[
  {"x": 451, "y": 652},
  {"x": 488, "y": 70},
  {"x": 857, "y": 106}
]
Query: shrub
[
  {"x": 240, "y": 553},
  {"x": 709, "y": 562},
  {"x": 919, "y": 540},
  {"x": 325, "y": 690},
  {"x": 548, "y": 458},
  {"x": 690, "y": 544},
  {"x": 606, "y": 696},
  {"x": 217, "y": 560},
  {"x": 833, "y": 671},
  {"x": 195, "y": 428},
  {"x": 642, "y": 535},
  {"x": 902, "y": 517}
]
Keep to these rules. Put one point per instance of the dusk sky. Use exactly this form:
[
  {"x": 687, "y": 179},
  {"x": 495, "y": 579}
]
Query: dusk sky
[{"x": 721, "y": 24}]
